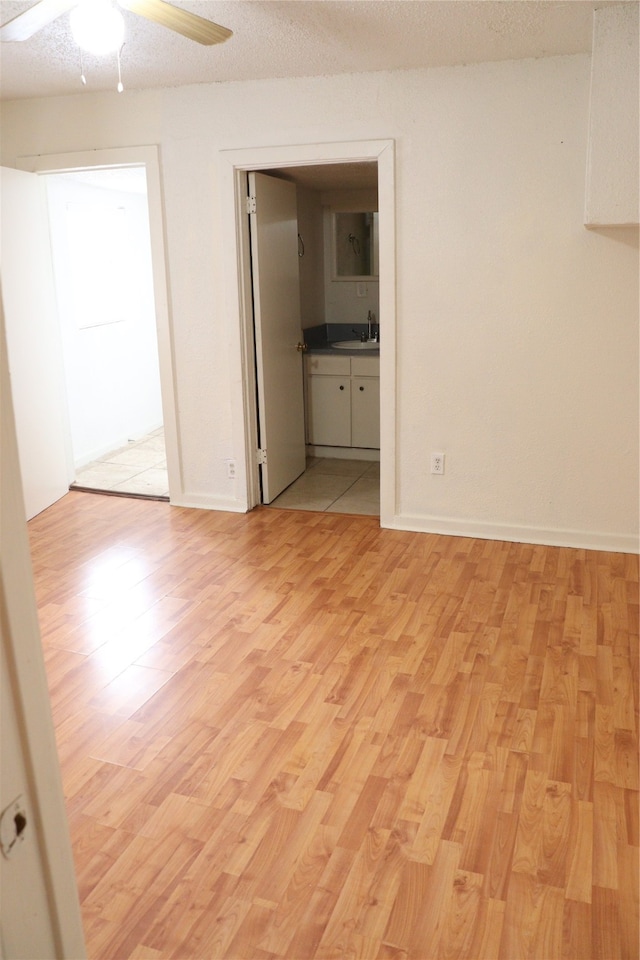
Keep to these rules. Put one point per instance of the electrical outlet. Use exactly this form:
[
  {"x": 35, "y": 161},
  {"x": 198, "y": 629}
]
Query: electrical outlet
[
  {"x": 437, "y": 463},
  {"x": 231, "y": 469}
]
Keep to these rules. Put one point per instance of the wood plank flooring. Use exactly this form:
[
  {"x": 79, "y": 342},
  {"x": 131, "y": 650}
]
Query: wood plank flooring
[{"x": 295, "y": 735}]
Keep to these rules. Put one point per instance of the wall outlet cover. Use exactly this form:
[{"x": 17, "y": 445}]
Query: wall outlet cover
[{"x": 437, "y": 463}]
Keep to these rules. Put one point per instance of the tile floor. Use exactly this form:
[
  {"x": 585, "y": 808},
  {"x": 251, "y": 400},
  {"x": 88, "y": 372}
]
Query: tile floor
[
  {"x": 140, "y": 468},
  {"x": 335, "y": 486}
]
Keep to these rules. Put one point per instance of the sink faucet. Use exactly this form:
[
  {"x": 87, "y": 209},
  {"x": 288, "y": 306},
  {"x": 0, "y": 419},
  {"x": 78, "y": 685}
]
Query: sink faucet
[{"x": 370, "y": 323}]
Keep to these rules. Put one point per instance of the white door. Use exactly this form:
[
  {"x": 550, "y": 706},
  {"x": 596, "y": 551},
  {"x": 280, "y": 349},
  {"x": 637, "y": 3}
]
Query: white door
[
  {"x": 276, "y": 305},
  {"x": 40, "y": 908},
  {"x": 33, "y": 340}
]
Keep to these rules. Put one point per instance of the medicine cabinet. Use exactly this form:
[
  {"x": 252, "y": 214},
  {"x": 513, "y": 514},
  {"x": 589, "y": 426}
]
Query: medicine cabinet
[{"x": 354, "y": 237}]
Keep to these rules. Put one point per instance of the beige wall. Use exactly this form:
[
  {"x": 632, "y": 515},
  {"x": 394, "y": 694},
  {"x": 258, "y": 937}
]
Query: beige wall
[
  {"x": 517, "y": 344},
  {"x": 612, "y": 161}
]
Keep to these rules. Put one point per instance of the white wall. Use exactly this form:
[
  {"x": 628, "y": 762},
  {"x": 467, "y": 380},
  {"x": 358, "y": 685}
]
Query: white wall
[
  {"x": 112, "y": 372},
  {"x": 347, "y": 301},
  {"x": 311, "y": 263},
  {"x": 612, "y": 168},
  {"x": 323, "y": 299},
  {"x": 517, "y": 348},
  {"x": 343, "y": 304}
]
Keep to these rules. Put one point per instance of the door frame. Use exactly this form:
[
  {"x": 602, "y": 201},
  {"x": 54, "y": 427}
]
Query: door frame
[
  {"x": 232, "y": 169},
  {"x": 146, "y": 156}
]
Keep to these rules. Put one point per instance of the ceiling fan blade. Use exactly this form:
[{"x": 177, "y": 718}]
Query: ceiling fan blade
[
  {"x": 188, "y": 24},
  {"x": 26, "y": 24}
]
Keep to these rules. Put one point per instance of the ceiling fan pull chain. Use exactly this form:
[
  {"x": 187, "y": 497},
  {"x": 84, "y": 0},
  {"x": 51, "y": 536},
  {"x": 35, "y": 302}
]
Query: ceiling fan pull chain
[
  {"x": 82, "y": 76},
  {"x": 120, "y": 86}
]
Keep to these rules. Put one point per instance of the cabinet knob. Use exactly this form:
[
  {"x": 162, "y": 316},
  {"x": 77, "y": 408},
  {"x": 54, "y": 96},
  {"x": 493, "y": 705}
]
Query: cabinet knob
[
  {"x": 301, "y": 347},
  {"x": 361, "y": 389},
  {"x": 341, "y": 387}
]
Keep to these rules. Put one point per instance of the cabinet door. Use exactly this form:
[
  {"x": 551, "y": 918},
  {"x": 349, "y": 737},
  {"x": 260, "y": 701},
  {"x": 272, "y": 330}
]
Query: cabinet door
[
  {"x": 328, "y": 411},
  {"x": 365, "y": 412},
  {"x": 321, "y": 365}
]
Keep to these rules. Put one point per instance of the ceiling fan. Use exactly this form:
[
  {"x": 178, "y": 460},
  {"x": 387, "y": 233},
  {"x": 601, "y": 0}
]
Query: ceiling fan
[{"x": 190, "y": 25}]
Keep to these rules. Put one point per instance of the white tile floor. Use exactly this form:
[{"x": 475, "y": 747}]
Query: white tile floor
[
  {"x": 140, "y": 468},
  {"x": 327, "y": 485},
  {"x": 335, "y": 486}
]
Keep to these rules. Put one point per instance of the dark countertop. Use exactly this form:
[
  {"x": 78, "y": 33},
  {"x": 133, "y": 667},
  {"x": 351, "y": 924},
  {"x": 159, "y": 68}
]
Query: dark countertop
[
  {"x": 322, "y": 340},
  {"x": 330, "y": 349}
]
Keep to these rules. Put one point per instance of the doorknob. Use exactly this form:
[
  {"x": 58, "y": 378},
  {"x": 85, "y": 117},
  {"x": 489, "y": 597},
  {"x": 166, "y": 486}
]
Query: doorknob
[{"x": 301, "y": 347}]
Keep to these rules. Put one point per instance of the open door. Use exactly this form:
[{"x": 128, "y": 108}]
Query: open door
[
  {"x": 278, "y": 335},
  {"x": 33, "y": 340},
  {"x": 40, "y": 907}
]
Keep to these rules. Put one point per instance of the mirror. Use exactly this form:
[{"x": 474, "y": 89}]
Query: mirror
[{"x": 355, "y": 245}]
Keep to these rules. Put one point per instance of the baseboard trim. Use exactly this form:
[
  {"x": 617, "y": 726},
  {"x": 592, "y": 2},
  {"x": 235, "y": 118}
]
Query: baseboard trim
[
  {"x": 343, "y": 453},
  {"x": 449, "y": 526},
  {"x": 581, "y": 539}
]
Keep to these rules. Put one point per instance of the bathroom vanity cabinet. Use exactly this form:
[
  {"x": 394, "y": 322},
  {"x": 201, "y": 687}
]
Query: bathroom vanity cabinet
[{"x": 343, "y": 401}]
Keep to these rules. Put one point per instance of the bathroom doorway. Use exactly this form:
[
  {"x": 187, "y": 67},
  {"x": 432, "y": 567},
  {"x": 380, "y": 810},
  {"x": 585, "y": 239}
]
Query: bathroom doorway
[
  {"x": 291, "y": 163},
  {"x": 341, "y": 478}
]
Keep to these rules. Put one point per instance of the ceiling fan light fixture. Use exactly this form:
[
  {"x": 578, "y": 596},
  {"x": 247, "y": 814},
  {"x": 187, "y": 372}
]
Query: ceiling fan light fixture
[{"x": 97, "y": 27}]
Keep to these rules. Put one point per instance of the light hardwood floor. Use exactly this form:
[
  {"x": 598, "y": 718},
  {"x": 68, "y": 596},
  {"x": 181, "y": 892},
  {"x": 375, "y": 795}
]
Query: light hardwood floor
[{"x": 296, "y": 735}]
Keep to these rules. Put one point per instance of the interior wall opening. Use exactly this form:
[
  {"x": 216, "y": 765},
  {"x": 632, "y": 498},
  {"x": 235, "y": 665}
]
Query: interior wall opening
[
  {"x": 104, "y": 284},
  {"x": 340, "y": 385},
  {"x": 117, "y": 161}
]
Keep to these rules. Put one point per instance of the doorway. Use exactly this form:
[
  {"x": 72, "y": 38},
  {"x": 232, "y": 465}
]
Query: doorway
[
  {"x": 99, "y": 227},
  {"x": 117, "y": 162},
  {"x": 340, "y": 473},
  {"x": 283, "y": 160}
]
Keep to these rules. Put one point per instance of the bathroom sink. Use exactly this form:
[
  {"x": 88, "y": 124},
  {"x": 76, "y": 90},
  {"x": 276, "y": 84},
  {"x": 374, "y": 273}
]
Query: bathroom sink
[{"x": 357, "y": 345}]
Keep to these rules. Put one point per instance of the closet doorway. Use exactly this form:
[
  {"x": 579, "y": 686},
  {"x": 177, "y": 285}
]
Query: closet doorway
[
  {"x": 119, "y": 381},
  {"x": 101, "y": 251}
]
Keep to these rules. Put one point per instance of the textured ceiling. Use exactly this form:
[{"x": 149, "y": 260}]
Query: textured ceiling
[{"x": 295, "y": 38}]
